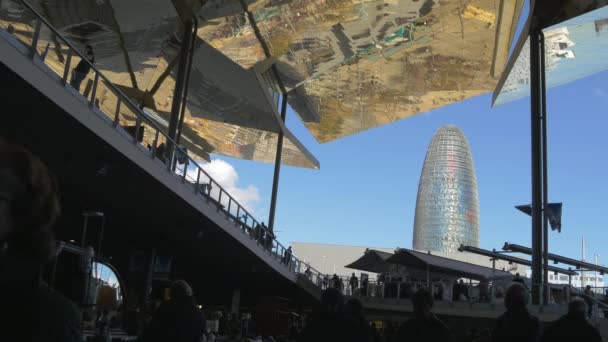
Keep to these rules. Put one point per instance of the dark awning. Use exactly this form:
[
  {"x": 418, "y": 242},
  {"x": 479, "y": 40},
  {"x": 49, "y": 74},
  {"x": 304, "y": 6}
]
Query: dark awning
[
  {"x": 372, "y": 261},
  {"x": 437, "y": 264}
]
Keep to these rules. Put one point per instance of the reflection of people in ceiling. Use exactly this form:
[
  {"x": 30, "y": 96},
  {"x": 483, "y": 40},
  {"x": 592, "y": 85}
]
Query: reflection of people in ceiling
[{"x": 83, "y": 67}]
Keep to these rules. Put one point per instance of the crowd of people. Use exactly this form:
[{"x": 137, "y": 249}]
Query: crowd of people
[
  {"x": 32, "y": 311},
  {"x": 336, "y": 320},
  {"x": 395, "y": 286}
]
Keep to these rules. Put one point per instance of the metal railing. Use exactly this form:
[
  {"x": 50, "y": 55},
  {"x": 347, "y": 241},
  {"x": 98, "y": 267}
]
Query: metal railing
[
  {"x": 404, "y": 290},
  {"x": 38, "y": 35}
]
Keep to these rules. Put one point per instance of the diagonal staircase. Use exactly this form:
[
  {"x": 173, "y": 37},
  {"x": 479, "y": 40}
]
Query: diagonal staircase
[{"x": 101, "y": 107}]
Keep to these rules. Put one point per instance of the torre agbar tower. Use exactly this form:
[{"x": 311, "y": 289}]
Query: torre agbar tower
[{"x": 447, "y": 207}]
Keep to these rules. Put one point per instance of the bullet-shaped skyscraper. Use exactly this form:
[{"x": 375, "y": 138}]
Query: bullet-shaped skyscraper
[{"x": 447, "y": 207}]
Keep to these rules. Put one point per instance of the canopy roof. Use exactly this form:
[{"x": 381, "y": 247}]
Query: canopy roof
[
  {"x": 372, "y": 261},
  {"x": 354, "y": 64},
  {"x": 229, "y": 110},
  {"x": 379, "y": 262},
  {"x": 349, "y": 65},
  {"x": 576, "y": 46}
]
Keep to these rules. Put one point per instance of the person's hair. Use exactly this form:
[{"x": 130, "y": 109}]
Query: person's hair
[
  {"x": 332, "y": 301},
  {"x": 516, "y": 296},
  {"x": 35, "y": 208},
  {"x": 421, "y": 298},
  {"x": 180, "y": 290},
  {"x": 577, "y": 307},
  {"x": 88, "y": 47},
  {"x": 354, "y": 309},
  {"x": 354, "y": 306}
]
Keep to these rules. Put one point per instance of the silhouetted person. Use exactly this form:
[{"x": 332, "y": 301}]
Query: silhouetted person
[
  {"x": 518, "y": 279},
  {"x": 325, "y": 282},
  {"x": 363, "y": 288},
  {"x": 374, "y": 335},
  {"x": 328, "y": 324},
  {"x": 287, "y": 256},
  {"x": 82, "y": 68},
  {"x": 354, "y": 283},
  {"x": 160, "y": 152},
  {"x": 573, "y": 326},
  {"x": 335, "y": 281},
  {"x": 29, "y": 207},
  {"x": 424, "y": 327},
  {"x": 588, "y": 299},
  {"x": 516, "y": 324},
  {"x": 357, "y": 327},
  {"x": 178, "y": 320},
  {"x": 308, "y": 272}
]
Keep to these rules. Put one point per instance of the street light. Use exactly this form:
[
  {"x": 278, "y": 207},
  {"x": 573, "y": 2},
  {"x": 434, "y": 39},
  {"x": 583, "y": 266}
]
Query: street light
[{"x": 323, "y": 264}]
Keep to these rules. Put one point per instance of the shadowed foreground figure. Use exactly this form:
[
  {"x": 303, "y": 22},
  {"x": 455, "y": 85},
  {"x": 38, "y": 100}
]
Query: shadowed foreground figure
[
  {"x": 425, "y": 326},
  {"x": 178, "y": 320},
  {"x": 573, "y": 326},
  {"x": 516, "y": 324},
  {"x": 328, "y": 322},
  {"x": 29, "y": 206}
]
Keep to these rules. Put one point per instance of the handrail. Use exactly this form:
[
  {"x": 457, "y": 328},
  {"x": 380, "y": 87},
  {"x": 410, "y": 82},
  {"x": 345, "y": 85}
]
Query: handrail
[
  {"x": 123, "y": 97},
  {"x": 262, "y": 232},
  {"x": 581, "y": 293}
]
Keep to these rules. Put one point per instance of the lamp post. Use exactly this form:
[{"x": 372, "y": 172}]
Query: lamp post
[{"x": 595, "y": 255}]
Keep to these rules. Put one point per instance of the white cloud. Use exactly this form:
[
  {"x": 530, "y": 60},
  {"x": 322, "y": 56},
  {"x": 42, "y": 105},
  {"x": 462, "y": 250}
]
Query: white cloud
[
  {"x": 601, "y": 93},
  {"x": 226, "y": 176}
]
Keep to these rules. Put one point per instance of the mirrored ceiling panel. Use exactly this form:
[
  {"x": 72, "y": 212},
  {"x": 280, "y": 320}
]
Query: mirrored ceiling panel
[
  {"x": 360, "y": 64},
  {"x": 574, "y": 49},
  {"x": 136, "y": 45},
  {"x": 204, "y": 136}
]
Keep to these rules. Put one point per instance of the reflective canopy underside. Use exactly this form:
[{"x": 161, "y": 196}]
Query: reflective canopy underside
[
  {"x": 136, "y": 45},
  {"x": 349, "y": 65},
  {"x": 574, "y": 49},
  {"x": 360, "y": 64}
]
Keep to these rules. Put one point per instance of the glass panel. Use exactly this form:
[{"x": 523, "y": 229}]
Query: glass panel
[
  {"x": 574, "y": 49},
  {"x": 105, "y": 99},
  {"x": 18, "y": 21},
  {"x": 54, "y": 51}
]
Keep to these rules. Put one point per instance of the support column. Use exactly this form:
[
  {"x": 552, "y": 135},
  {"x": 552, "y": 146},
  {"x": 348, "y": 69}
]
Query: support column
[
  {"x": 236, "y": 301},
  {"x": 148, "y": 277},
  {"x": 536, "y": 118},
  {"x": 493, "y": 288},
  {"x": 191, "y": 43},
  {"x": 277, "y": 166},
  {"x": 545, "y": 219},
  {"x": 179, "y": 88}
]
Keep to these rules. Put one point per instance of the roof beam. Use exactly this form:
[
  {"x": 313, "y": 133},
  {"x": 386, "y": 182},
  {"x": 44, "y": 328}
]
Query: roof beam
[
  {"x": 557, "y": 258},
  {"x": 498, "y": 256}
]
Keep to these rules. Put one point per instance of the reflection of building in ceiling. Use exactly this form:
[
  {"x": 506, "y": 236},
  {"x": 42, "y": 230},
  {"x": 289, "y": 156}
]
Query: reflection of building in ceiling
[
  {"x": 557, "y": 46},
  {"x": 136, "y": 45},
  {"x": 350, "y": 65},
  {"x": 601, "y": 25},
  {"x": 447, "y": 207},
  {"x": 356, "y": 65}
]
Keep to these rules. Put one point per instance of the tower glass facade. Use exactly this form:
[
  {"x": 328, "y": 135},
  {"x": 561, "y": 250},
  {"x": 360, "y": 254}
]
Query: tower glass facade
[{"x": 447, "y": 206}]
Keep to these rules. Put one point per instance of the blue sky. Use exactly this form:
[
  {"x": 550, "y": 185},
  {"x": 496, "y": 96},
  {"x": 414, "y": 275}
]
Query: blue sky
[{"x": 365, "y": 192}]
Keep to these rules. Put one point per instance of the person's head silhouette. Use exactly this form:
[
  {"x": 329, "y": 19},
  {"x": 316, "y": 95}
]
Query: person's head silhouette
[
  {"x": 577, "y": 308},
  {"x": 516, "y": 297},
  {"x": 422, "y": 301},
  {"x": 29, "y": 205}
]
